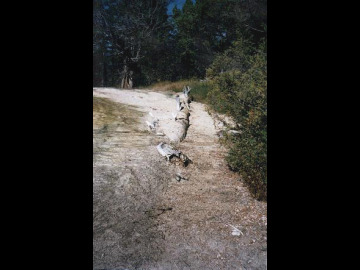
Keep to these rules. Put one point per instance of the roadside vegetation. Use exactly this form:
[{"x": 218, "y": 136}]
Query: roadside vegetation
[{"x": 241, "y": 92}]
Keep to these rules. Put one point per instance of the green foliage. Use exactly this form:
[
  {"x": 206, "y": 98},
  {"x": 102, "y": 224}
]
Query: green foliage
[
  {"x": 199, "y": 91},
  {"x": 139, "y": 36},
  {"x": 234, "y": 58},
  {"x": 127, "y": 35},
  {"x": 241, "y": 92}
]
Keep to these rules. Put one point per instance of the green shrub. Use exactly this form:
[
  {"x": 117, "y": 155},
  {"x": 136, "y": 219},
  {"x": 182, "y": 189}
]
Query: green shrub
[
  {"x": 241, "y": 92},
  {"x": 235, "y": 58}
]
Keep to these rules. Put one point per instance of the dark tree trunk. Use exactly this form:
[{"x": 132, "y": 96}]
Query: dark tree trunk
[
  {"x": 126, "y": 77},
  {"x": 105, "y": 74}
]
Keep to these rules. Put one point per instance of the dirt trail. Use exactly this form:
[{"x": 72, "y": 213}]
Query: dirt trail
[{"x": 143, "y": 217}]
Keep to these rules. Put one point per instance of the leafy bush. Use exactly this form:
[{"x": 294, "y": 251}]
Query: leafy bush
[
  {"x": 234, "y": 58},
  {"x": 241, "y": 92}
]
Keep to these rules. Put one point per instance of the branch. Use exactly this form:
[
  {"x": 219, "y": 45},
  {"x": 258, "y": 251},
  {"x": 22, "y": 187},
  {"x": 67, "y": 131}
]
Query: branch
[{"x": 254, "y": 28}]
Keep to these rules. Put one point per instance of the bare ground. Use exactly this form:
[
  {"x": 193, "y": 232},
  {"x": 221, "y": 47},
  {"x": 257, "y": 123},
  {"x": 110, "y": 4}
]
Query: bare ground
[{"x": 142, "y": 217}]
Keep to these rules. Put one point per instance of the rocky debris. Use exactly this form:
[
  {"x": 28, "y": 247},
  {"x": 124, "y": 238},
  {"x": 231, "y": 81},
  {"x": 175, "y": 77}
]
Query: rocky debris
[
  {"x": 234, "y": 132},
  {"x": 153, "y": 123},
  {"x": 168, "y": 151},
  {"x": 179, "y": 177},
  {"x": 225, "y": 125}
]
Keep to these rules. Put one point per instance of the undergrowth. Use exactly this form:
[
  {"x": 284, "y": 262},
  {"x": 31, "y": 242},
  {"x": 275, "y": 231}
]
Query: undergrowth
[{"x": 240, "y": 91}]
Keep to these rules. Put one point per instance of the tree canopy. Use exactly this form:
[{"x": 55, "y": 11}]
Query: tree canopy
[{"x": 139, "y": 40}]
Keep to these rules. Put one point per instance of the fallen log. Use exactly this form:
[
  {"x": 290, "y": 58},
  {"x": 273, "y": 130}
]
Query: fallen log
[
  {"x": 182, "y": 117},
  {"x": 179, "y": 129},
  {"x": 187, "y": 101}
]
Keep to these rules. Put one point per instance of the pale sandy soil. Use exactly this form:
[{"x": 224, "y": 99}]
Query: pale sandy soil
[{"x": 143, "y": 217}]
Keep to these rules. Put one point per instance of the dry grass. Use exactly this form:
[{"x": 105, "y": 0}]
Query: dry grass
[
  {"x": 199, "y": 89},
  {"x": 170, "y": 86}
]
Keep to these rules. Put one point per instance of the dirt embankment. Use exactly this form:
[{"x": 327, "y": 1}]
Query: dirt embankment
[{"x": 143, "y": 217}]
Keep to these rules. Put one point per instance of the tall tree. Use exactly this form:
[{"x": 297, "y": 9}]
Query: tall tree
[
  {"x": 208, "y": 27},
  {"x": 128, "y": 27}
]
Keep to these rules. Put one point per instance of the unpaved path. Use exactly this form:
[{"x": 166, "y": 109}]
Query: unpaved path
[{"x": 143, "y": 217}]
